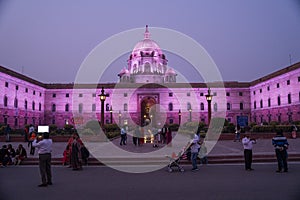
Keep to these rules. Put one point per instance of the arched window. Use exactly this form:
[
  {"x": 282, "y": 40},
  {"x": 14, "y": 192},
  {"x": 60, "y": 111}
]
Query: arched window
[
  {"x": 215, "y": 107},
  {"x": 33, "y": 105},
  {"x": 53, "y": 108},
  {"x": 228, "y": 106},
  {"x": 125, "y": 107},
  {"x": 202, "y": 106},
  {"x": 80, "y": 108},
  {"x": 170, "y": 107},
  {"x": 241, "y": 106},
  {"x": 93, "y": 107},
  {"x": 25, "y": 104},
  {"x": 40, "y": 107},
  {"x": 189, "y": 106},
  {"x": 107, "y": 107},
  {"x": 5, "y": 100},
  {"x": 261, "y": 103},
  {"x": 16, "y": 103},
  {"x": 278, "y": 100},
  {"x": 269, "y": 102},
  {"x": 67, "y": 107}
]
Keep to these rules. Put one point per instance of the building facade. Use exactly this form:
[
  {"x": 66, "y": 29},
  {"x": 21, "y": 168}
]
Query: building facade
[{"x": 147, "y": 90}]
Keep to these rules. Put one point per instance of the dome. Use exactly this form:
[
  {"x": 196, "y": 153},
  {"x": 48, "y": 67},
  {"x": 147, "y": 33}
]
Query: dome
[
  {"x": 170, "y": 71},
  {"x": 146, "y": 45}
]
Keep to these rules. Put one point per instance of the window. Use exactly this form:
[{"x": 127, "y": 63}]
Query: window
[
  {"x": 240, "y": 94},
  {"x": 107, "y": 107},
  {"x": 33, "y": 92},
  {"x": 278, "y": 85},
  {"x": 16, "y": 103},
  {"x": 202, "y": 106},
  {"x": 298, "y": 78},
  {"x": 171, "y": 121},
  {"x": 5, "y": 100},
  {"x": 26, "y": 90},
  {"x": 80, "y": 108},
  {"x": 33, "y": 105},
  {"x": 278, "y": 101},
  {"x": 16, "y": 122},
  {"x": 215, "y": 107},
  {"x": 93, "y": 107},
  {"x": 288, "y": 82},
  {"x": 269, "y": 102},
  {"x": 25, "y": 104},
  {"x": 40, "y": 94},
  {"x": 253, "y": 92},
  {"x": 189, "y": 106},
  {"x": 268, "y": 88},
  {"x": 241, "y": 106},
  {"x": 289, "y": 99},
  {"x": 228, "y": 106},
  {"x": 279, "y": 118},
  {"x": 188, "y": 94},
  {"x": 170, "y": 107},
  {"x": 67, "y": 95},
  {"x": 53, "y": 108},
  {"x": 260, "y": 90},
  {"x": 214, "y": 94},
  {"x": 17, "y": 87},
  {"x": 170, "y": 94},
  {"x": 201, "y": 94},
  {"x": 299, "y": 96},
  {"x": 94, "y": 95},
  {"x": 125, "y": 107},
  {"x": 53, "y": 120},
  {"x": 53, "y": 95},
  {"x": 80, "y": 95},
  {"x": 261, "y": 103},
  {"x": 254, "y": 105},
  {"x": 67, "y": 107},
  {"x": 40, "y": 106},
  {"x": 228, "y": 94},
  {"x": 125, "y": 94},
  {"x": 6, "y": 84}
]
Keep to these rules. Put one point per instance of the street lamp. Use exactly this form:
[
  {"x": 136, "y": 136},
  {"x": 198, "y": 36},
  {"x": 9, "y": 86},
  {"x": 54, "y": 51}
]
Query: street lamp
[
  {"x": 102, "y": 99},
  {"x": 120, "y": 115},
  {"x": 179, "y": 116},
  {"x": 209, "y": 99},
  {"x": 111, "y": 112},
  {"x": 190, "y": 110}
]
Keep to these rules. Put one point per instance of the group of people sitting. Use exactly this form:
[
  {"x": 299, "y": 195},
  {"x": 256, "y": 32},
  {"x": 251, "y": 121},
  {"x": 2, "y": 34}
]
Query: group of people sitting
[{"x": 10, "y": 156}]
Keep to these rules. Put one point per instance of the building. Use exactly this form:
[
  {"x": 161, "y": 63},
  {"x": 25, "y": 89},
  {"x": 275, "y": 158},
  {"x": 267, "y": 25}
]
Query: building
[{"x": 147, "y": 90}]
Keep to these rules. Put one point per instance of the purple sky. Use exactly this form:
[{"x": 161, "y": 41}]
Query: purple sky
[{"x": 246, "y": 39}]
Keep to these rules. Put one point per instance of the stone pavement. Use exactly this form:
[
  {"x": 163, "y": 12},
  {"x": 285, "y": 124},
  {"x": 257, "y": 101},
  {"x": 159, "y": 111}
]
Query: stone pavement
[{"x": 222, "y": 151}]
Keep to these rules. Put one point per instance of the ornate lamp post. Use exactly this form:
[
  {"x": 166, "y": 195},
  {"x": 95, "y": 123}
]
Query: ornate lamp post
[
  {"x": 111, "y": 112},
  {"x": 190, "y": 110},
  {"x": 102, "y": 99},
  {"x": 179, "y": 116},
  {"x": 209, "y": 99}
]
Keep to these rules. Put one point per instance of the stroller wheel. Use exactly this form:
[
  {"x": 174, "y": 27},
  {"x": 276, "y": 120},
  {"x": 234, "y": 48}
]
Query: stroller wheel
[{"x": 181, "y": 170}]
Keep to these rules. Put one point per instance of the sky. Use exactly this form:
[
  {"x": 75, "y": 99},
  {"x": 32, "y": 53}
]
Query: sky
[{"x": 49, "y": 40}]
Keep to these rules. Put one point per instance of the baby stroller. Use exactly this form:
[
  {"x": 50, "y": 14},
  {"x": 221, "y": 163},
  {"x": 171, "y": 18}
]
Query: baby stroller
[{"x": 176, "y": 158}]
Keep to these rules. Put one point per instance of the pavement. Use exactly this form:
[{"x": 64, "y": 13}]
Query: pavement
[{"x": 221, "y": 151}]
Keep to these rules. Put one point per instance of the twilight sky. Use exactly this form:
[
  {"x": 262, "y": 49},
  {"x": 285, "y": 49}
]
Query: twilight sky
[{"x": 48, "y": 40}]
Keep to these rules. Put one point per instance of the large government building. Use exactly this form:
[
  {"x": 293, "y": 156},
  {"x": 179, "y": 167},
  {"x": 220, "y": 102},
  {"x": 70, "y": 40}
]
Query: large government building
[{"x": 147, "y": 89}]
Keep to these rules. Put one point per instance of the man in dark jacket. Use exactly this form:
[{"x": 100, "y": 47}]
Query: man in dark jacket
[{"x": 281, "y": 145}]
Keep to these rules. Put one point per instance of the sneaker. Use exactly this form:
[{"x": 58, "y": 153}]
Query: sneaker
[
  {"x": 195, "y": 169},
  {"x": 42, "y": 185},
  {"x": 50, "y": 183}
]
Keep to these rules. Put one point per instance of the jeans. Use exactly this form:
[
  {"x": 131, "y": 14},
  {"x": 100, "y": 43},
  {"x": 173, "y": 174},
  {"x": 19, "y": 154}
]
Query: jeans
[
  {"x": 282, "y": 159},
  {"x": 194, "y": 159}
]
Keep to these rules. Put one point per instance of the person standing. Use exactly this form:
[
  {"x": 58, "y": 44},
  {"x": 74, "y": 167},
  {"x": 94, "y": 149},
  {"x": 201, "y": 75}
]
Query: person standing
[
  {"x": 123, "y": 136},
  {"x": 281, "y": 145},
  {"x": 7, "y": 133},
  {"x": 43, "y": 144},
  {"x": 194, "y": 151},
  {"x": 76, "y": 156},
  {"x": 237, "y": 133},
  {"x": 248, "y": 145}
]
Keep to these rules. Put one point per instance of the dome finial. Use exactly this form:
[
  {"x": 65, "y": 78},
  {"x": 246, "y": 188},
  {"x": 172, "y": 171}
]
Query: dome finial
[{"x": 146, "y": 34}]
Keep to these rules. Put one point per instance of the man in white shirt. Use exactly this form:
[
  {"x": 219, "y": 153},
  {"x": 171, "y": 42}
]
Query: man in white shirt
[
  {"x": 248, "y": 145},
  {"x": 194, "y": 151},
  {"x": 44, "y": 147}
]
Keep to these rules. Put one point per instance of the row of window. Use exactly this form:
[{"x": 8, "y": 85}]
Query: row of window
[
  {"x": 26, "y": 89},
  {"x": 16, "y": 104},
  {"x": 289, "y": 98},
  {"x": 288, "y": 82},
  {"x": 68, "y": 95}
]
